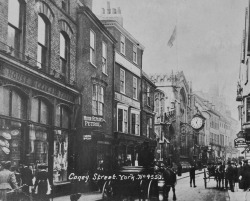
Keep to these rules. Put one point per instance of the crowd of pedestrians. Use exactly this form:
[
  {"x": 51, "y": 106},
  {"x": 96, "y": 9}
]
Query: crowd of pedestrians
[
  {"x": 16, "y": 184},
  {"x": 231, "y": 175}
]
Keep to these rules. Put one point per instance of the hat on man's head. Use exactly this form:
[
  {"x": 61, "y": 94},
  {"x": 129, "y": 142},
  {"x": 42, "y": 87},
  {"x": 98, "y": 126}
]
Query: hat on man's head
[
  {"x": 42, "y": 166},
  {"x": 245, "y": 161}
]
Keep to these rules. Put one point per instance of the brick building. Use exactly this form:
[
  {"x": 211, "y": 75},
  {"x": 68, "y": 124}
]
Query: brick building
[
  {"x": 39, "y": 98},
  {"x": 95, "y": 75},
  {"x": 129, "y": 142}
]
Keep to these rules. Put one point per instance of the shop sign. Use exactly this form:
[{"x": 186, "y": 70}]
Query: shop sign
[
  {"x": 87, "y": 137},
  {"x": 92, "y": 121},
  {"x": 34, "y": 82},
  {"x": 240, "y": 142}
]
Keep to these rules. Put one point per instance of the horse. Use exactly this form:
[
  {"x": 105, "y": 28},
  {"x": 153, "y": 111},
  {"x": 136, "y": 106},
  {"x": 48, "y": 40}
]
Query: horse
[
  {"x": 220, "y": 176},
  {"x": 170, "y": 180}
]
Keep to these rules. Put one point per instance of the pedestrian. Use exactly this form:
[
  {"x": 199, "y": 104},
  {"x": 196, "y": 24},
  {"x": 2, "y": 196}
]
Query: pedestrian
[
  {"x": 240, "y": 171},
  {"x": 236, "y": 177},
  {"x": 7, "y": 180},
  {"x": 246, "y": 175},
  {"x": 26, "y": 177},
  {"x": 192, "y": 175},
  {"x": 42, "y": 185},
  {"x": 179, "y": 169},
  {"x": 230, "y": 176}
]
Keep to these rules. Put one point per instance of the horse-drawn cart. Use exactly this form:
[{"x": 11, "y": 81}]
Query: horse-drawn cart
[
  {"x": 135, "y": 181},
  {"x": 216, "y": 173},
  {"x": 209, "y": 174}
]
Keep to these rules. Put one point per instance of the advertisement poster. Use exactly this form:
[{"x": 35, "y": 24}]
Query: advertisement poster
[{"x": 124, "y": 100}]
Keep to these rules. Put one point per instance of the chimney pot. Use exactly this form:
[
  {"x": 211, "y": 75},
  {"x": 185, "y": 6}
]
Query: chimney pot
[
  {"x": 103, "y": 11},
  {"x": 113, "y": 10}
]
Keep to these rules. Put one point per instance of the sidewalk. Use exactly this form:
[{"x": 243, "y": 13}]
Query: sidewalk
[
  {"x": 93, "y": 196},
  {"x": 239, "y": 195}
]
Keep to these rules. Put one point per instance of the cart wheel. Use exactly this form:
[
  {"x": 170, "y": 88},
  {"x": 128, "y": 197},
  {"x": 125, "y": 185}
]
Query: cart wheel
[{"x": 107, "y": 190}]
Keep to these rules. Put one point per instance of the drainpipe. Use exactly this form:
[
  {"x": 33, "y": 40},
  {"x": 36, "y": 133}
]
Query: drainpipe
[{"x": 113, "y": 103}]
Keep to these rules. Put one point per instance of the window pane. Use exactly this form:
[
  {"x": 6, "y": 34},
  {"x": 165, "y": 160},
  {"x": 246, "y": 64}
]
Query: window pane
[
  {"x": 62, "y": 46},
  {"x": 44, "y": 118},
  {"x": 4, "y": 101},
  {"x": 39, "y": 56},
  {"x": 11, "y": 36},
  {"x": 92, "y": 40},
  {"x": 58, "y": 115},
  {"x": 120, "y": 120},
  {"x": 17, "y": 110},
  {"x": 65, "y": 118},
  {"x": 41, "y": 31},
  {"x": 14, "y": 12},
  {"x": 34, "y": 109},
  {"x": 104, "y": 50}
]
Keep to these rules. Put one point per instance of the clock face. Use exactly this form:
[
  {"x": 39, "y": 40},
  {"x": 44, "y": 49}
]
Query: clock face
[{"x": 197, "y": 122}]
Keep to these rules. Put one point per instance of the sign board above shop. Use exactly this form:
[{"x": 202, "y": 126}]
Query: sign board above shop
[
  {"x": 240, "y": 142},
  {"x": 92, "y": 121}
]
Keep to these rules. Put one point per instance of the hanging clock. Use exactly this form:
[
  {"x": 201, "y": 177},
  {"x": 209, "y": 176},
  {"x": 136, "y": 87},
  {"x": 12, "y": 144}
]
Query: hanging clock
[{"x": 197, "y": 122}]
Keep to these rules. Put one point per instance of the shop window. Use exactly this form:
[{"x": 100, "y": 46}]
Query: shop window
[
  {"x": 39, "y": 111},
  {"x": 15, "y": 24},
  {"x": 10, "y": 141},
  {"x": 38, "y": 146},
  {"x": 42, "y": 41},
  {"x": 64, "y": 54},
  {"x": 97, "y": 100},
  {"x": 60, "y": 166},
  {"x": 11, "y": 103}
]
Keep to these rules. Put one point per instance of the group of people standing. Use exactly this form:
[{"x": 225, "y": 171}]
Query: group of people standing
[
  {"x": 23, "y": 183},
  {"x": 232, "y": 175}
]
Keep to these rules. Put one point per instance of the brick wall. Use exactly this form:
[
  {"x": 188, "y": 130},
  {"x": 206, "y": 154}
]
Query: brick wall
[{"x": 86, "y": 71}]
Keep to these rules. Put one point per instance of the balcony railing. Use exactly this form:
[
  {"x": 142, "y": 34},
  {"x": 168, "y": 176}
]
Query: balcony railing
[{"x": 32, "y": 64}]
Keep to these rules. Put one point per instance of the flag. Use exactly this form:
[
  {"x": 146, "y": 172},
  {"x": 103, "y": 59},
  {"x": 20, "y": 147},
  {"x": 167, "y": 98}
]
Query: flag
[{"x": 172, "y": 38}]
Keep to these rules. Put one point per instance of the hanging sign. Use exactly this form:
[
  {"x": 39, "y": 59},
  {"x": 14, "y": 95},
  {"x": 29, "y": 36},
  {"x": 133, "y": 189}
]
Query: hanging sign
[{"x": 240, "y": 142}]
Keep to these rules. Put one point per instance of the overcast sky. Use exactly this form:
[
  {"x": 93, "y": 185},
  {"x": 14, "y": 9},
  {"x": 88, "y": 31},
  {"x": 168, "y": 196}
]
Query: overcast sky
[{"x": 207, "y": 45}]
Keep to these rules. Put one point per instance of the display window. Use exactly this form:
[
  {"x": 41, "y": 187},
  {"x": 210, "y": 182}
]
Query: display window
[
  {"x": 60, "y": 166},
  {"x": 10, "y": 141}
]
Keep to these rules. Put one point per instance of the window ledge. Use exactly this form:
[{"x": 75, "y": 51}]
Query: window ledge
[
  {"x": 105, "y": 74},
  {"x": 93, "y": 64}
]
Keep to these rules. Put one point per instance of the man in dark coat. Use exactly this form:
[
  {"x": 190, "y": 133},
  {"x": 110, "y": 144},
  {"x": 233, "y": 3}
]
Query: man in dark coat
[
  {"x": 26, "y": 177},
  {"x": 246, "y": 175},
  {"x": 230, "y": 176},
  {"x": 192, "y": 175}
]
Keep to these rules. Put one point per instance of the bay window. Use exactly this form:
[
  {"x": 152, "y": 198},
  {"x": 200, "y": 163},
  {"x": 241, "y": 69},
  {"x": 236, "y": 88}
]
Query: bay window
[
  {"x": 135, "y": 122},
  {"x": 122, "y": 120},
  {"x": 97, "y": 100}
]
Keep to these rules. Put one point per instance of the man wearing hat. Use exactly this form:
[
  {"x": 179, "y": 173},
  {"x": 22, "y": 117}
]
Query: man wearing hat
[
  {"x": 7, "y": 180},
  {"x": 246, "y": 175},
  {"x": 230, "y": 176}
]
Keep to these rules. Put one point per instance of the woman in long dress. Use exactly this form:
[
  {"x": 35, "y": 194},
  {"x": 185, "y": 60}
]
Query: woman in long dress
[
  {"x": 7, "y": 180},
  {"x": 42, "y": 183}
]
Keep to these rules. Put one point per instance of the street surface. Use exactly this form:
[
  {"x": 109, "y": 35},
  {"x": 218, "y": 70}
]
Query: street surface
[{"x": 183, "y": 192}]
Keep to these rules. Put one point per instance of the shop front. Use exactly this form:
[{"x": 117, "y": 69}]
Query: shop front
[
  {"x": 36, "y": 124},
  {"x": 94, "y": 150}
]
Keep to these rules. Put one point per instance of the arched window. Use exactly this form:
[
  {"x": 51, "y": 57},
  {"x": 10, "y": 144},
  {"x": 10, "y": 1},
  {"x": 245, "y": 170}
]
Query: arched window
[
  {"x": 64, "y": 54},
  {"x": 11, "y": 103},
  {"x": 43, "y": 41},
  {"x": 62, "y": 117},
  {"x": 15, "y": 24},
  {"x": 40, "y": 111}
]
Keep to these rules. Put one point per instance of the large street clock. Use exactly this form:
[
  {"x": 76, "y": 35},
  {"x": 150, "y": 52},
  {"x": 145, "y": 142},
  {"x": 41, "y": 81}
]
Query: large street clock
[{"x": 197, "y": 122}]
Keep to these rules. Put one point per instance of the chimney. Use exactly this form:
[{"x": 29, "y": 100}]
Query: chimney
[
  {"x": 113, "y": 11},
  {"x": 108, "y": 8},
  {"x": 103, "y": 11},
  {"x": 119, "y": 10},
  {"x": 113, "y": 14},
  {"x": 88, "y": 3}
]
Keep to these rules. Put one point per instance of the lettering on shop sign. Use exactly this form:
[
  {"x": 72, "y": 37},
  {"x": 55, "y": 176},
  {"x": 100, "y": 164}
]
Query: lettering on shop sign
[
  {"x": 34, "y": 83},
  {"x": 92, "y": 121}
]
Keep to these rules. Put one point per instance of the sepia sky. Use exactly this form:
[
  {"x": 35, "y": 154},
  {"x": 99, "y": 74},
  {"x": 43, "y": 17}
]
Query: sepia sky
[{"x": 207, "y": 45}]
